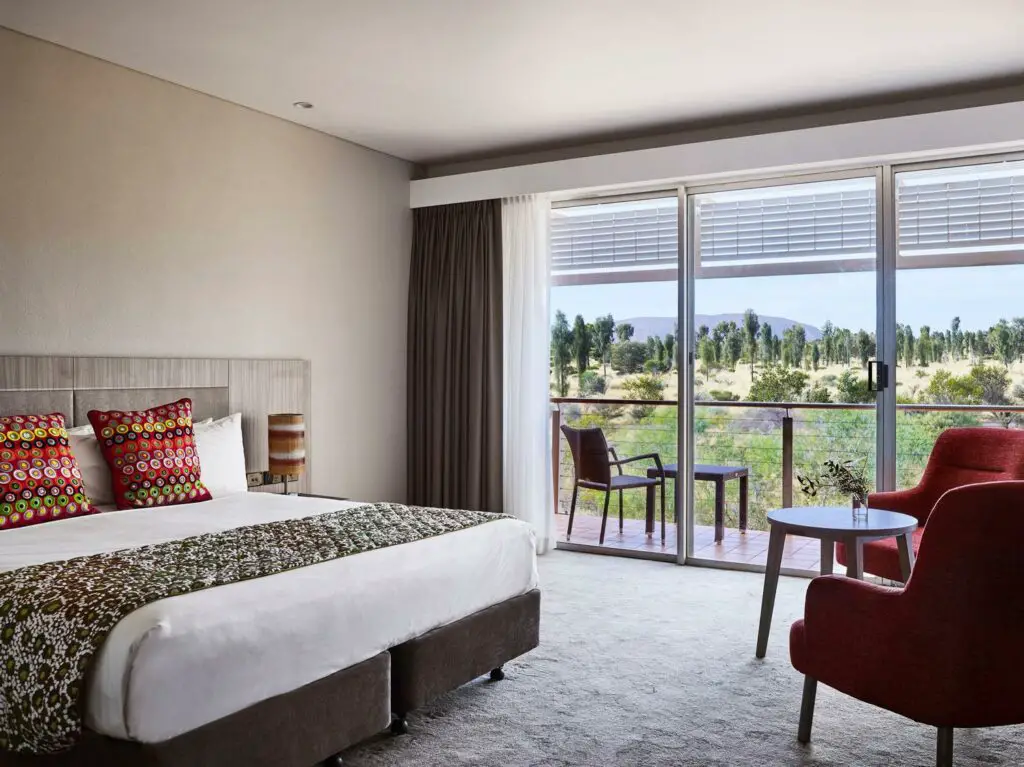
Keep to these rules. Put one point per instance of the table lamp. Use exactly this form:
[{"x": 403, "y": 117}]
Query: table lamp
[{"x": 286, "y": 443}]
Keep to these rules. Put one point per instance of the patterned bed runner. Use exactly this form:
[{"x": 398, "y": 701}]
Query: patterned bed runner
[{"x": 55, "y": 616}]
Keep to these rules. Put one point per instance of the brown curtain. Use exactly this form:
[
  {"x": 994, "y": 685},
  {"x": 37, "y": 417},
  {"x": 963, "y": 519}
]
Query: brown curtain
[{"x": 454, "y": 406}]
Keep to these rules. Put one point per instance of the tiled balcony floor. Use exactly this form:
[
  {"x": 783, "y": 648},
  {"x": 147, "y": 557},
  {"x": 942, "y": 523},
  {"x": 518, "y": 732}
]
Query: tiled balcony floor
[{"x": 740, "y": 548}]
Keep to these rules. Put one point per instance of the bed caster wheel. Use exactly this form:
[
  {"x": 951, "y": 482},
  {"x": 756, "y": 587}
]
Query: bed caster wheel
[
  {"x": 497, "y": 674},
  {"x": 399, "y": 725},
  {"x": 333, "y": 761}
]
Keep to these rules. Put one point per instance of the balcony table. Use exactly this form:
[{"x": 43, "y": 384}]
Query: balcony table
[
  {"x": 830, "y": 525},
  {"x": 705, "y": 472}
]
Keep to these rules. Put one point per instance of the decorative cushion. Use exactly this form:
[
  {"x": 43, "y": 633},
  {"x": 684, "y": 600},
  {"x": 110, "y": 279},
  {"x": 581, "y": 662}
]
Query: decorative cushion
[
  {"x": 39, "y": 479},
  {"x": 151, "y": 454}
]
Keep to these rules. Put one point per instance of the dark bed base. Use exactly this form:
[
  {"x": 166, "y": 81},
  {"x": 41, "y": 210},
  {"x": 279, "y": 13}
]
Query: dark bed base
[
  {"x": 449, "y": 656},
  {"x": 297, "y": 729},
  {"x": 318, "y": 721}
]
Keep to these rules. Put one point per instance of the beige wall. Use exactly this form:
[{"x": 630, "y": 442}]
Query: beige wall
[
  {"x": 1004, "y": 91},
  {"x": 141, "y": 218}
]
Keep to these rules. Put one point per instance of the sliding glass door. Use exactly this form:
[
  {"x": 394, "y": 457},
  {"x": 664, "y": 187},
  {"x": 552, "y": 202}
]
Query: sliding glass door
[
  {"x": 749, "y": 333},
  {"x": 782, "y": 309}
]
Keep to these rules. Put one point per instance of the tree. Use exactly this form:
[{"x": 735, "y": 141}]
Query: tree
[
  {"x": 908, "y": 346},
  {"x": 1002, "y": 343},
  {"x": 815, "y": 356},
  {"x": 581, "y": 345},
  {"x": 797, "y": 341},
  {"x": 733, "y": 348},
  {"x": 767, "y": 344},
  {"x": 675, "y": 332},
  {"x": 1017, "y": 330},
  {"x": 561, "y": 353},
  {"x": 956, "y": 338},
  {"x": 670, "y": 349},
  {"x": 828, "y": 340},
  {"x": 865, "y": 347},
  {"x": 706, "y": 351},
  {"x": 624, "y": 332},
  {"x": 628, "y": 357},
  {"x": 604, "y": 337},
  {"x": 777, "y": 384},
  {"x": 751, "y": 324},
  {"x": 924, "y": 346},
  {"x": 659, "y": 352}
]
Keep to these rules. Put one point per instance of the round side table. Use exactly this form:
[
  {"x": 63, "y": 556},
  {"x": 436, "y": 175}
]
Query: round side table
[{"x": 831, "y": 525}]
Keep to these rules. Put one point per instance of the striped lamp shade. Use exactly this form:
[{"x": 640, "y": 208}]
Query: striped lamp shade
[{"x": 286, "y": 443}]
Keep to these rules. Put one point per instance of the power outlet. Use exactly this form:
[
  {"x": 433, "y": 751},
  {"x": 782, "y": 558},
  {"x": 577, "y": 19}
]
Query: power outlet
[
  {"x": 266, "y": 478},
  {"x": 254, "y": 479}
]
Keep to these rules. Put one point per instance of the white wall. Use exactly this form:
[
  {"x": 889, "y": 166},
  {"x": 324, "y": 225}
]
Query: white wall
[{"x": 138, "y": 217}]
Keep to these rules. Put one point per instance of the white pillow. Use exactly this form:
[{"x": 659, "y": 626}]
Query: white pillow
[
  {"x": 221, "y": 455},
  {"x": 95, "y": 471}
]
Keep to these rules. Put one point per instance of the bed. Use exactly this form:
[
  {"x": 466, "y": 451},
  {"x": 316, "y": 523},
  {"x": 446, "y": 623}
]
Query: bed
[{"x": 293, "y": 668}]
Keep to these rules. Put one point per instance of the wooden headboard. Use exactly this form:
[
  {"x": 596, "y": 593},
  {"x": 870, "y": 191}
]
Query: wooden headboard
[{"x": 217, "y": 387}]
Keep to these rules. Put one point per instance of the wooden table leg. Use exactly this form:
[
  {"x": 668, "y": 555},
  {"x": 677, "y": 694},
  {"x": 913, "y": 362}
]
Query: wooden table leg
[
  {"x": 776, "y": 544},
  {"x": 650, "y": 510},
  {"x": 719, "y": 510},
  {"x": 905, "y": 547},
  {"x": 743, "y": 504},
  {"x": 828, "y": 552},
  {"x": 855, "y": 558}
]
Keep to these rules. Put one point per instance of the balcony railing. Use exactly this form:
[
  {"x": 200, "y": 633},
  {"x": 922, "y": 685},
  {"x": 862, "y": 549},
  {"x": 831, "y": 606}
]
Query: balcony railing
[{"x": 776, "y": 441}]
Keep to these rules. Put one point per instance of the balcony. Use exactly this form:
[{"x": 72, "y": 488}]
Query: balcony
[{"x": 775, "y": 442}]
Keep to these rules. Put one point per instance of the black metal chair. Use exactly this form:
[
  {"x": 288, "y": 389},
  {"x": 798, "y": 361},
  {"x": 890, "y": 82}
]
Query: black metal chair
[{"x": 593, "y": 470}]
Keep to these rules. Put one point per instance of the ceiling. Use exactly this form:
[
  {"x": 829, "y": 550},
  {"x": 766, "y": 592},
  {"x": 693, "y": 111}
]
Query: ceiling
[{"x": 432, "y": 80}]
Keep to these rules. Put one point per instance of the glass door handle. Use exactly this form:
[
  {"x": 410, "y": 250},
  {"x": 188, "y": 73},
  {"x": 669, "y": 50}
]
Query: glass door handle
[{"x": 878, "y": 381}]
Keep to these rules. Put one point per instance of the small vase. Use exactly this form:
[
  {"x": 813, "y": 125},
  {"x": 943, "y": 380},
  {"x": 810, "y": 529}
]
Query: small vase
[{"x": 860, "y": 509}]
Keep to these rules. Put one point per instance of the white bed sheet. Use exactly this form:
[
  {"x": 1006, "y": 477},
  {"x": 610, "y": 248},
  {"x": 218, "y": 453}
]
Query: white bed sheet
[{"x": 182, "y": 662}]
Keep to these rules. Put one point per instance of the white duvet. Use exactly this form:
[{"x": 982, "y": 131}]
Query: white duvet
[{"x": 182, "y": 662}]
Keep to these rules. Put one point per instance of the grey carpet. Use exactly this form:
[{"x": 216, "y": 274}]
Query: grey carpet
[{"x": 643, "y": 663}]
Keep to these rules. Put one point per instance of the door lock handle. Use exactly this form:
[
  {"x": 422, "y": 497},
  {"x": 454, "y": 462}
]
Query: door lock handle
[{"x": 878, "y": 381}]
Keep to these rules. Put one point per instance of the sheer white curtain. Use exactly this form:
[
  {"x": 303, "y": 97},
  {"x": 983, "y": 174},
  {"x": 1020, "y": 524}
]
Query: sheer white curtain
[{"x": 525, "y": 283}]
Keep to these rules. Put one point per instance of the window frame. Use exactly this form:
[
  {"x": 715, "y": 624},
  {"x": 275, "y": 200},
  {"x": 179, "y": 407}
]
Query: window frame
[
  {"x": 963, "y": 258},
  {"x": 616, "y": 276}
]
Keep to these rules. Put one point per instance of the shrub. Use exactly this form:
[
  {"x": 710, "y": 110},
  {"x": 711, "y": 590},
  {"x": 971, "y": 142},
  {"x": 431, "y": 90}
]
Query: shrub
[
  {"x": 644, "y": 386},
  {"x": 723, "y": 395},
  {"x": 629, "y": 357},
  {"x": 777, "y": 384},
  {"x": 818, "y": 393},
  {"x": 852, "y": 388},
  {"x": 592, "y": 384}
]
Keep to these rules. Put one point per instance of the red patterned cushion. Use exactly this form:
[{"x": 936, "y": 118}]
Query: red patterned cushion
[
  {"x": 39, "y": 479},
  {"x": 151, "y": 454}
]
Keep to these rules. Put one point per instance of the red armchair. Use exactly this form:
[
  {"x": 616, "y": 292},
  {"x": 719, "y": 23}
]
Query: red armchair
[
  {"x": 945, "y": 650},
  {"x": 960, "y": 457}
]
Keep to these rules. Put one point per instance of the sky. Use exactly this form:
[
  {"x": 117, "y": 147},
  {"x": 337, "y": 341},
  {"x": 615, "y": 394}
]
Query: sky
[{"x": 979, "y": 295}]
